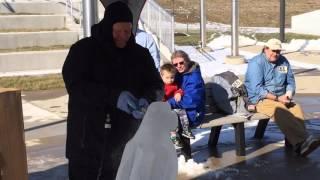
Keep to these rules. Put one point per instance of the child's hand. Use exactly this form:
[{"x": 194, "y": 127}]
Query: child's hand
[{"x": 177, "y": 97}]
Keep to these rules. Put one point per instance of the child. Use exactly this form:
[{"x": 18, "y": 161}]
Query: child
[{"x": 171, "y": 89}]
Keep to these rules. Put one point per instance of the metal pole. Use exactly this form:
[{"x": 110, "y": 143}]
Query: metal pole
[
  {"x": 187, "y": 24},
  {"x": 282, "y": 20},
  {"x": 203, "y": 23},
  {"x": 90, "y": 16},
  {"x": 234, "y": 28},
  {"x": 172, "y": 34}
]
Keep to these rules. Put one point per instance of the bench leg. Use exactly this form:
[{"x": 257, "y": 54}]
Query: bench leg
[
  {"x": 186, "y": 148},
  {"x": 214, "y": 136},
  {"x": 261, "y": 128},
  {"x": 240, "y": 139}
]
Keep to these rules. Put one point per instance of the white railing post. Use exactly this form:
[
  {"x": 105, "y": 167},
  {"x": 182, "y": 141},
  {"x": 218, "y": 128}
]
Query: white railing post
[
  {"x": 172, "y": 34},
  {"x": 159, "y": 24},
  {"x": 69, "y": 7}
]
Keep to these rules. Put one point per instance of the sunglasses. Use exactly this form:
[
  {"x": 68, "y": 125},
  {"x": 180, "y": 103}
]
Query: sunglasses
[
  {"x": 180, "y": 63},
  {"x": 276, "y": 51}
]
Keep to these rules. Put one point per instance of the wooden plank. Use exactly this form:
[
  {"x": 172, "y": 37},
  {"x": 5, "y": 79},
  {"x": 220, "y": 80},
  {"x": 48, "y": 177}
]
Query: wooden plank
[
  {"x": 13, "y": 159},
  {"x": 258, "y": 116},
  {"x": 220, "y": 119}
]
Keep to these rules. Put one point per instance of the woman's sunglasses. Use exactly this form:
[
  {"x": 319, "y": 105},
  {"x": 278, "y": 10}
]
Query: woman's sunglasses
[{"x": 180, "y": 63}]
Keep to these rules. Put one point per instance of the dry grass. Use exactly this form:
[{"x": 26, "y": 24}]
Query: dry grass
[
  {"x": 29, "y": 83},
  {"x": 194, "y": 37},
  {"x": 36, "y": 48},
  {"x": 32, "y": 30},
  {"x": 253, "y": 13}
]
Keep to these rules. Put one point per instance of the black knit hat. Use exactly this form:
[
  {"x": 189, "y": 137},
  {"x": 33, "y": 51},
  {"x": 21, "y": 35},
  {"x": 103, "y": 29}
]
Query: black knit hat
[
  {"x": 118, "y": 12},
  {"x": 115, "y": 12}
]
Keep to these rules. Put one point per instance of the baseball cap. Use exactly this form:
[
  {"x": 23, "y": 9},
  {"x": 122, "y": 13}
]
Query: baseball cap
[{"x": 274, "y": 44}]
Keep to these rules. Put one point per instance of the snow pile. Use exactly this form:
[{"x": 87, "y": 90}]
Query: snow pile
[
  {"x": 219, "y": 27},
  {"x": 225, "y": 41},
  {"x": 312, "y": 45},
  {"x": 294, "y": 45},
  {"x": 189, "y": 169},
  {"x": 302, "y": 45}
]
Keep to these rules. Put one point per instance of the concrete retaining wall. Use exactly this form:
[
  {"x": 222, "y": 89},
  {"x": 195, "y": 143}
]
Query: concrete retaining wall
[
  {"x": 307, "y": 23},
  {"x": 30, "y": 22},
  {"x": 37, "y": 39},
  {"x": 32, "y": 8},
  {"x": 32, "y": 60}
]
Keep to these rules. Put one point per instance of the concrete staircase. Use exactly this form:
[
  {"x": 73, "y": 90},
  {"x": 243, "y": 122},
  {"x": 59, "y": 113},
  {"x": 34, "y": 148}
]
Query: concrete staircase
[{"x": 35, "y": 36}]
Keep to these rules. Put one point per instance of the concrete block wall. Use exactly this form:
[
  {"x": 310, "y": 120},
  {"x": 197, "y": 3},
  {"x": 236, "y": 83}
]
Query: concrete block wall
[
  {"x": 32, "y": 22},
  {"x": 307, "y": 23},
  {"x": 25, "y": 7},
  {"x": 18, "y": 40},
  {"x": 32, "y": 60},
  {"x": 29, "y": 30}
]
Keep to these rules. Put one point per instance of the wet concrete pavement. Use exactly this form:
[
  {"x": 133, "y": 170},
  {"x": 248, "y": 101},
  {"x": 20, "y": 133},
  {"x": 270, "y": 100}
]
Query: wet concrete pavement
[{"x": 265, "y": 159}]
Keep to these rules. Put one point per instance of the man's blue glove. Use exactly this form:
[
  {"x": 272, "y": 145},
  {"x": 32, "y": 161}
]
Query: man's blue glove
[
  {"x": 131, "y": 105},
  {"x": 142, "y": 108},
  {"x": 138, "y": 114},
  {"x": 127, "y": 102},
  {"x": 143, "y": 104}
]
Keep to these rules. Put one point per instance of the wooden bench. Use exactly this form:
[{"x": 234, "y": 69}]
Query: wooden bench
[{"x": 216, "y": 120}]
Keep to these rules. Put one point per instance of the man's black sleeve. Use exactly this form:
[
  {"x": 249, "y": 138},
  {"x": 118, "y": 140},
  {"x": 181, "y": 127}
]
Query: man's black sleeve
[
  {"x": 76, "y": 75},
  {"x": 153, "y": 82}
]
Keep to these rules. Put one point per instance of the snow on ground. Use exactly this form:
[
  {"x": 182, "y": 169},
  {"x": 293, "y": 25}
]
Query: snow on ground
[
  {"x": 225, "y": 41},
  {"x": 216, "y": 64},
  {"x": 190, "y": 169},
  {"x": 227, "y": 28},
  {"x": 294, "y": 45},
  {"x": 212, "y": 63}
]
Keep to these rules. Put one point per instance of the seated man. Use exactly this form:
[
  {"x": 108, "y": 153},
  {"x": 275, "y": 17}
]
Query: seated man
[{"x": 271, "y": 85}]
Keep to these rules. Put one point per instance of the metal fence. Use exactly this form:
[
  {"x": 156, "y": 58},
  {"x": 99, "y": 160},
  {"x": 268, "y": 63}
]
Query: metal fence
[{"x": 159, "y": 22}]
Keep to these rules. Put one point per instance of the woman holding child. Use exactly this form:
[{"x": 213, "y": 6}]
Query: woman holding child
[{"x": 190, "y": 81}]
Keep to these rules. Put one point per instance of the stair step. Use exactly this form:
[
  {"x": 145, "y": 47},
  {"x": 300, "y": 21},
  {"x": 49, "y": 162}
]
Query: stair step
[
  {"x": 32, "y": 60},
  {"x": 29, "y": 22},
  {"x": 33, "y": 7},
  {"x": 16, "y": 40}
]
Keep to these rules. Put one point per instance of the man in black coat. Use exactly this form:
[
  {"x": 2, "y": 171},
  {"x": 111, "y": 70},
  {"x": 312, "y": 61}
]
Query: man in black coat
[{"x": 102, "y": 73}]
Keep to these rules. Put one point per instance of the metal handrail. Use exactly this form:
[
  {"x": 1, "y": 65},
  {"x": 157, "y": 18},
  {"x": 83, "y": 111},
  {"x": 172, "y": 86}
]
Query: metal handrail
[
  {"x": 69, "y": 6},
  {"x": 159, "y": 22}
]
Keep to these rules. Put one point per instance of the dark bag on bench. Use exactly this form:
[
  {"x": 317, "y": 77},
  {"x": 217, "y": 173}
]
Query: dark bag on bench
[{"x": 227, "y": 92}]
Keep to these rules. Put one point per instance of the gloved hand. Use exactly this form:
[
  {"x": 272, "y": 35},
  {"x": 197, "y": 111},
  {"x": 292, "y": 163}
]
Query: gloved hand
[
  {"x": 124, "y": 100},
  {"x": 138, "y": 114},
  {"x": 143, "y": 104},
  {"x": 142, "y": 108}
]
